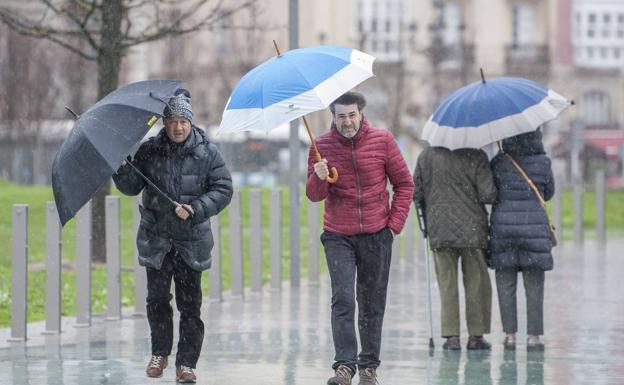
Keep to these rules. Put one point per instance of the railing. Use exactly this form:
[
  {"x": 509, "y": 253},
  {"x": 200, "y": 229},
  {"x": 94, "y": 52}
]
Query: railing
[
  {"x": 527, "y": 60},
  {"x": 403, "y": 247},
  {"x": 114, "y": 267}
]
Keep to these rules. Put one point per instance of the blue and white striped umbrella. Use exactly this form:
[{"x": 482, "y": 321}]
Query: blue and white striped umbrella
[
  {"x": 487, "y": 111},
  {"x": 293, "y": 84}
]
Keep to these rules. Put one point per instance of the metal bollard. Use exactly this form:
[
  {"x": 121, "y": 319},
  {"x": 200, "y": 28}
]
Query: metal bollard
[
  {"x": 113, "y": 258},
  {"x": 557, "y": 209},
  {"x": 236, "y": 246},
  {"x": 53, "y": 270},
  {"x": 255, "y": 240},
  {"x": 578, "y": 212},
  {"x": 409, "y": 236},
  {"x": 83, "y": 266},
  {"x": 314, "y": 243},
  {"x": 601, "y": 206},
  {"x": 140, "y": 275},
  {"x": 275, "y": 205},
  {"x": 19, "y": 304},
  {"x": 216, "y": 281}
]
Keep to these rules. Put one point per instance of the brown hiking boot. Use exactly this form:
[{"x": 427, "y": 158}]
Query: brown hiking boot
[
  {"x": 156, "y": 366},
  {"x": 452, "y": 343},
  {"x": 478, "y": 343},
  {"x": 368, "y": 376},
  {"x": 342, "y": 376},
  {"x": 185, "y": 374}
]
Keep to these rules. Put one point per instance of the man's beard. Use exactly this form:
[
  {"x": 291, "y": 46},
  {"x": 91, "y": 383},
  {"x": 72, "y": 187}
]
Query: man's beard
[{"x": 348, "y": 134}]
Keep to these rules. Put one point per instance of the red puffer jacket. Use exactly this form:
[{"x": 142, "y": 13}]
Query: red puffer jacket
[{"x": 359, "y": 201}]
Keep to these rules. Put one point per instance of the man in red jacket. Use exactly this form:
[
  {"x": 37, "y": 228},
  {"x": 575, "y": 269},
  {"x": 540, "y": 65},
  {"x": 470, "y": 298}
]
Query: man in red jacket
[{"x": 359, "y": 227}]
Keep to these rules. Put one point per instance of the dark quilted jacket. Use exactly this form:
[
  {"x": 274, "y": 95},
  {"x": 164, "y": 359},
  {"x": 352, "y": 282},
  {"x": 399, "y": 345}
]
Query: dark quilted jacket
[
  {"x": 454, "y": 187},
  {"x": 359, "y": 201},
  {"x": 519, "y": 226},
  {"x": 192, "y": 173}
]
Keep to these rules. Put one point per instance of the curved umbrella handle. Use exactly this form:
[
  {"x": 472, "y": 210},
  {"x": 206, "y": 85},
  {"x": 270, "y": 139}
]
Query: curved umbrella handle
[{"x": 333, "y": 177}]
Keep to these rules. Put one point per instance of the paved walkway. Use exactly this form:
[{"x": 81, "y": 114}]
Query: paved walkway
[{"x": 285, "y": 338}]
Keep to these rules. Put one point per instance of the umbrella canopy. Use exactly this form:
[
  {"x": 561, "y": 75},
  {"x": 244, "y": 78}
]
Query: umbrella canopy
[
  {"x": 102, "y": 138},
  {"x": 487, "y": 111},
  {"x": 293, "y": 84}
]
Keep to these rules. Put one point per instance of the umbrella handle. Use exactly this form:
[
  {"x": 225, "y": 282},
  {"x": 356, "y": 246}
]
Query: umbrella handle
[
  {"x": 159, "y": 191},
  {"x": 333, "y": 177}
]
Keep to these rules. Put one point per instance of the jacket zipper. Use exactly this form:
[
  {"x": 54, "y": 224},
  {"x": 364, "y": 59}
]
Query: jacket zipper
[{"x": 357, "y": 186}]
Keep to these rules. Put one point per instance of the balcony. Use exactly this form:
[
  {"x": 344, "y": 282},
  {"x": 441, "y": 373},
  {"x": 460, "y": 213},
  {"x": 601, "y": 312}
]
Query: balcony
[{"x": 528, "y": 61}]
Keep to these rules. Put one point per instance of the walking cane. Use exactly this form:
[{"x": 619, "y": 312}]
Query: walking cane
[{"x": 423, "y": 229}]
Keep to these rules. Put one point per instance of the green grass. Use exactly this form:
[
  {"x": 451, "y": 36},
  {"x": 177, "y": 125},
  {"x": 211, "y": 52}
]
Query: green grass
[
  {"x": 614, "y": 212},
  {"x": 37, "y": 196}
]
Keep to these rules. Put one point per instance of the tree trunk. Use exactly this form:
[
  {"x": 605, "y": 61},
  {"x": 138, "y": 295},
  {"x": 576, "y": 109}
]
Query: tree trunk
[{"x": 108, "y": 62}]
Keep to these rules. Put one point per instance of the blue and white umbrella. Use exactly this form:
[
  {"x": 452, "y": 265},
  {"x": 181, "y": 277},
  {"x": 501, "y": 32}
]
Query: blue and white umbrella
[
  {"x": 293, "y": 84},
  {"x": 488, "y": 111}
]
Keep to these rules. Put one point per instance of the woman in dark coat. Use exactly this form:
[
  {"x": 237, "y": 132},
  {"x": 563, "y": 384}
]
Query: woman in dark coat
[{"x": 520, "y": 234}]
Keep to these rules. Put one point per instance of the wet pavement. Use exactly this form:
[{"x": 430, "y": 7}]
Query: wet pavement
[{"x": 285, "y": 338}]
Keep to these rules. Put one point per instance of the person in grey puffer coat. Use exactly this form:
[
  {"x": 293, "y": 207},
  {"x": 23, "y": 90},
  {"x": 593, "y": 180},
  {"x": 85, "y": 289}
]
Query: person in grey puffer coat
[
  {"x": 520, "y": 234},
  {"x": 174, "y": 242}
]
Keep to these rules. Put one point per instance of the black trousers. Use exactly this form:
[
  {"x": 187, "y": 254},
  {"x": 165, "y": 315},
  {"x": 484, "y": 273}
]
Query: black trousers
[
  {"x": 188, "y": 301},
  {"x": 358, "y": 265},
  {"x": 507, "y": 283}
]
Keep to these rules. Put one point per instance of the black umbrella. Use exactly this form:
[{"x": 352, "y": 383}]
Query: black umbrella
[{"x": 102, "y": 138}]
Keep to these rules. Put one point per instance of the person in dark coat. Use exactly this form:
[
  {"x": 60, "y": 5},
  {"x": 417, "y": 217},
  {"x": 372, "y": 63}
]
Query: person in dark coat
[
  {"x": 520, "y": 234},
  {"x": 174, "y": 242},
  {"x": 452, "y": 189}
]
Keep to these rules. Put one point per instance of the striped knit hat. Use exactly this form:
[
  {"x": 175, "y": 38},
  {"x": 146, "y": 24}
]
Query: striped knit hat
[{"x": 180, "y": 105}]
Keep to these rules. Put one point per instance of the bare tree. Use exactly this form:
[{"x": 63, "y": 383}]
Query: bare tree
[{"x": 109, "y": 28}]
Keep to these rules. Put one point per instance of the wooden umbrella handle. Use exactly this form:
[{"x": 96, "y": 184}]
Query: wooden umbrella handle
[{"x": 333, "y": 176}]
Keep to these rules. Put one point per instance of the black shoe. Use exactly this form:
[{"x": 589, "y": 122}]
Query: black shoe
[
  {"x": 478, "y": 343},
  {"x": 534, "y": 344},
  {"x": 510, "y": 342},
  {"x": 452, "y": 343}
]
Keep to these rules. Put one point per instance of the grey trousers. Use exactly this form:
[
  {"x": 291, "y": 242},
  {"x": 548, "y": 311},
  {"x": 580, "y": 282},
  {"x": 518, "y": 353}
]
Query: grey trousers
[
  {"x": 506, "y": 283},
  {"x": 476, "y": 285}
]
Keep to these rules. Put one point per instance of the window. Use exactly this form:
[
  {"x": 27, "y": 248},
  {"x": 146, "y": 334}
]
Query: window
[
  {"x": 522, "y": 24},
  {"x": 452, "y": 21},
  {"x": 595, "y": 108},
  {"x": 606, "y": 25},
  {"x": 379, "y": 24}
]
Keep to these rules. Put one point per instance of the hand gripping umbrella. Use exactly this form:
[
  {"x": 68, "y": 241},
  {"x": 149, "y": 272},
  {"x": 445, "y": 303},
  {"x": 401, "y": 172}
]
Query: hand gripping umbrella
[
  {"x": 292, "y": 85},
  {"x": 102, "y": 138}
]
